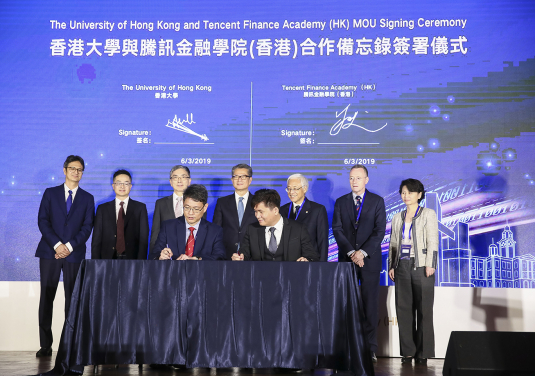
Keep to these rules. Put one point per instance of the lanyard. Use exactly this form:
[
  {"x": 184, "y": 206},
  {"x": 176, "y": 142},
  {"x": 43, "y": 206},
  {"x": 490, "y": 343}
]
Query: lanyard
[
  {"x": 410, "y": 229},
  {"x": 299, "y": 211},
  {"x": 360, "y": 208}
]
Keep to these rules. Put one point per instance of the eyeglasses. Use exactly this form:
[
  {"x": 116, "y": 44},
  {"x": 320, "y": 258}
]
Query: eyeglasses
[
  {"x": 188, "y": 209},
  {"x": 240, "y": 177},
  {"x": 122, "y": 184},
  {"x": 176, "y": 178},
  {"x": 288, "y": 189},
  {"x": 74, "y": 169}
]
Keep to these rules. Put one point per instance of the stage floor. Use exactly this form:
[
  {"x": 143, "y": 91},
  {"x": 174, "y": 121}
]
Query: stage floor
[{"x": 25, "y": 363}]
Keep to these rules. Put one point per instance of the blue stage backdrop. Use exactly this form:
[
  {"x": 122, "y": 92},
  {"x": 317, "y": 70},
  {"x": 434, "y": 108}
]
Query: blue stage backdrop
[{"x": 439, "y": 91}]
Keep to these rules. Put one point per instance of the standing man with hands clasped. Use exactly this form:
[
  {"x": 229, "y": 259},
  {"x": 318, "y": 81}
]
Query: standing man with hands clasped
[
  {"x": 232, "y": 212},
  {"x": 122, "y": 225},
  {"x": 359, "y": 224},
  {"x": 65, "y": 221}
]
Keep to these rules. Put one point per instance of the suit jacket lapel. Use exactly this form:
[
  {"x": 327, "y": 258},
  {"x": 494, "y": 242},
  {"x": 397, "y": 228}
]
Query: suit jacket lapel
[
  {"x": 112, "y": 216},
  {"x": 233, "y": 209},
  {"x": 181, "y": 235},
  {"x": 169, "y": 206},
  {"x": 285, "y": 241},
  {"x": 249, "y": 212},
  {"x": 61, "y": 199},
  {"x": 365, "y": 208},
  {"x": 129, "y": 211},
  {"x": 262, "y": 241},
  {"x": 201, "y": 237},
  {"x": 304, "y": 212},
  {"x": 351, "y": 208}
]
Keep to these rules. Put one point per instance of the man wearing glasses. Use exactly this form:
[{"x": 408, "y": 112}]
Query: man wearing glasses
[
  {"x": 122, "y": 225},
  {"x": 171, "y": 206},
  {"x": 232, "y": 212},
  {"x": 359, "y": 223},
  {"x": 307, "y": 212},
  {"x": 65, "y": 220},
  {"x": 190, "y": 237}
]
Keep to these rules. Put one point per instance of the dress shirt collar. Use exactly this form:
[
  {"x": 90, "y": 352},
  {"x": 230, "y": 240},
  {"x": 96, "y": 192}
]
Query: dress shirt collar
[
  {"x": 245, "y": 199},
  {"x": 67, "y": 189},
  {"x": 118, "y": 204}
]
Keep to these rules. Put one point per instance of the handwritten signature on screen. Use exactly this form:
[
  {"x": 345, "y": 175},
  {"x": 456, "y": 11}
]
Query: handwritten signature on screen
[{"x": 345, "y": 122}]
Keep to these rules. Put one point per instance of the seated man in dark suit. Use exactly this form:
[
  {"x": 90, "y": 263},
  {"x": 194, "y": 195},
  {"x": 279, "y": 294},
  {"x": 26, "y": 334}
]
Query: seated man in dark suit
[
  {"x": 190, "y": 237},
  {"x": 232, "y": 212},
  {"x": 308, "y": 213},
  {"x": 274, "y": 238},
  {"x": 121, "y": 226}
]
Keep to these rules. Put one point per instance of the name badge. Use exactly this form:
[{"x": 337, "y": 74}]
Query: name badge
[{"x": 405, "y": 251}]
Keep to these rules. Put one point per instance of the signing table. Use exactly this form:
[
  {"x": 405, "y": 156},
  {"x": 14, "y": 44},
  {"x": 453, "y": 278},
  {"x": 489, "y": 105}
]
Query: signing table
[{"x": 215, "y": 314}]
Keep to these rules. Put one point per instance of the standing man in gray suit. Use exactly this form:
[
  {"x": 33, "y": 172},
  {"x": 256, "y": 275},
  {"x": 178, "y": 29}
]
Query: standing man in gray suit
[{"x": 170, "y": 207}]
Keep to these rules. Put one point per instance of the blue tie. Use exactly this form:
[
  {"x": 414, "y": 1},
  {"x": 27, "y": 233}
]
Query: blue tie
[
  {"x": 69, "y": 202},
  {"x": 240, "y": 209}
]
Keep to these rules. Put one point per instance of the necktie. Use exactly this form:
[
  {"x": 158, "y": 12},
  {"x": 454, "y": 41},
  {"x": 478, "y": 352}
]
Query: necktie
[
  {"x": 179, "y": 210},
  {"x": 69, "y": 202},
  {"x": 357, "y": 209},
  {"x": 241, "y": 209},
  {"x": 293, "y": 214},
  {"x": 120, "y": 244},
  {"x": 191, "y": 242},
  {"x": 272, "y": 242}
]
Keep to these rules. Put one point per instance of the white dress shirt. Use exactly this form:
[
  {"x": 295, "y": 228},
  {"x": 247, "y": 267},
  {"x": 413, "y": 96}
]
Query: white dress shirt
[
  {"x": 245, "y": 199},
  {"x": 118, "y": 206},
  {"x": 278, "y": 232}
]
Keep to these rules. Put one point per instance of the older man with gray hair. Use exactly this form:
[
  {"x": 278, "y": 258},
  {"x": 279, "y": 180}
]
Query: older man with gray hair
[{"x": 307, "y": 212}]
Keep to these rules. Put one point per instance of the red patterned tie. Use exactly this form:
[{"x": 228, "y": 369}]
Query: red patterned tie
[{"x": 191, "y": 243}]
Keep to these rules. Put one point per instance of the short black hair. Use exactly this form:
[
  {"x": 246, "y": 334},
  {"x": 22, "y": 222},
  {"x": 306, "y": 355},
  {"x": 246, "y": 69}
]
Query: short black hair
[
  {"x": 359, "y": 166},
  {"x": 178, "y": 167},
  {"x": 269, "y": 197},
  {"x": 73, "y": 158},
  {"x": 197, "y": 192},
  {"x": 121, "y": 172},
  {"x": 243, "y": 165},
  {"x": 413, "y": 185}
]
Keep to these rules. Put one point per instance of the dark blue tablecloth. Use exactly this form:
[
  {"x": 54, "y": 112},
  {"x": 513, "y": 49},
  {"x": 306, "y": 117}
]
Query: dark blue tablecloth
[{"x": 215, "y": 314}]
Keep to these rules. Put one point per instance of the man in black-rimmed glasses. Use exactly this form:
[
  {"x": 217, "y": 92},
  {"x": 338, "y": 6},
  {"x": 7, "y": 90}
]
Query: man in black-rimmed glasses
[
  {"x": 65, "y": 220},
  {"x": 232, "y": 212}
]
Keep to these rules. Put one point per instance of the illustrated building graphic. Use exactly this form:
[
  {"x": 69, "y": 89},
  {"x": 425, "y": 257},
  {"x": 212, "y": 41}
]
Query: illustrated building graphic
[{"x": 457, "y": 267}]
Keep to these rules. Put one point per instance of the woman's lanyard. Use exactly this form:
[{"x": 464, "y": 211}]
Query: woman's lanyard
[
  {"x": 299, "y": 211},
  {"x": 410, "y": 229}
]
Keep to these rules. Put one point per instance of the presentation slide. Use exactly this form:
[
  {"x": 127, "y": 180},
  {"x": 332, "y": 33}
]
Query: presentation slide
[{"x": 443, "y": 92}]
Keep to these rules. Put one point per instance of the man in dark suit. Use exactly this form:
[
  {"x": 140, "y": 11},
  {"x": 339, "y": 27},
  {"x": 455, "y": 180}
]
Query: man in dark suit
[
  {"x": 122, "y": 225},
  {"x": 359, "y": 223},
  {"x": 65, "y": 221},
  {"x": 171, "y": 206},
  {"x": 308, "y": 213},
  {"x": 274, "y": 238},
  {"x": 190, "y": 237},
  {"x": 232, "y": 212}
]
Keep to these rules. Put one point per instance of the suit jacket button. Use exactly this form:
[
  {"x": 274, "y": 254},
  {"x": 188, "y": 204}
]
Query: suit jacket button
[
  {"x": 115, "y": 235},
  {"x": 357, "y": 245},
  {"x": 236, "y": 244},
  {"x": 112, "y": 247}
]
